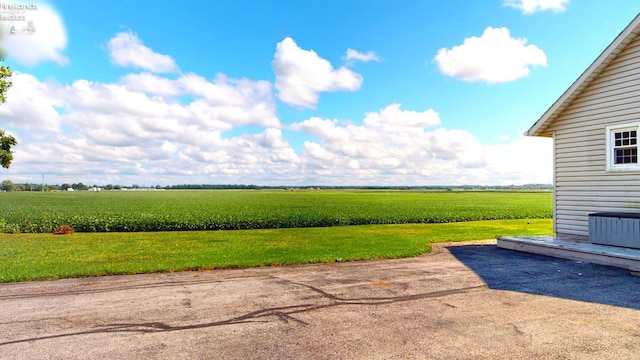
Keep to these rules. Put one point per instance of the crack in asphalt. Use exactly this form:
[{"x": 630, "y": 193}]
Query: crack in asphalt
[
  {"x": 282, "y": 313},
  {"x": 108, "y": 288}
]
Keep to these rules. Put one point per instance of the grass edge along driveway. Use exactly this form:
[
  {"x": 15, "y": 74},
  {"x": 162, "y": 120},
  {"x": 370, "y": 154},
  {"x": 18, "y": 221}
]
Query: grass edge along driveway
[{"x": 25, "y": 257}]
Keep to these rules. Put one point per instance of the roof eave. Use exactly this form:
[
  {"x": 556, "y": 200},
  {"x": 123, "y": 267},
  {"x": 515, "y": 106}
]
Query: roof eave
[{"x": 616, "y": 46}]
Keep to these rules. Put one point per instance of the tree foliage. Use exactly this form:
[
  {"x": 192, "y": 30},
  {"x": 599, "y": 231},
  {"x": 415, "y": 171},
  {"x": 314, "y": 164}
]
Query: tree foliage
[
  {"x": 6, "y": 155},
  {"x": 6, "y": 140},
  {"x": 7, "y": 185},
  {"x": 5, "y": 83}
]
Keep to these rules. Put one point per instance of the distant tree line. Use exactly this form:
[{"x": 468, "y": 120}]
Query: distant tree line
[
  {"x": 212, "y": 187},
  {"x": 8, "y": 185}
]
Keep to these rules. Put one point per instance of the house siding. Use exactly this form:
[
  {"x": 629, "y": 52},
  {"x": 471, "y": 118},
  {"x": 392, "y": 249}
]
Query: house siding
[{"x": 581, "y": 181}]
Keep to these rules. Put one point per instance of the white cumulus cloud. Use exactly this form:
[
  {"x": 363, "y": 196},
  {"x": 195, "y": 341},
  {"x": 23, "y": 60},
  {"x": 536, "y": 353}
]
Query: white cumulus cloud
[
  {"x": 224, "y": 101},
  {"x": 110, "y": 133},
  {"x": 403, "y": 147},
  {"x": 151, "y": 83},
  {"x": 532, "y": 6},
  {"x": 352, "y": 55},
  {"x": 41, "y": 37},
  {"x": 301, "y": 75},
  {"x": 494, "y": 57},
  {"x": 391, "y": 140},
  {"x": 33, "y": 104},
  {"x": 147, "y": 128},
  {"x": 129, "y": 131},
  {"x": 393, "y": 117},
  {"x": 127, "y": 50}
]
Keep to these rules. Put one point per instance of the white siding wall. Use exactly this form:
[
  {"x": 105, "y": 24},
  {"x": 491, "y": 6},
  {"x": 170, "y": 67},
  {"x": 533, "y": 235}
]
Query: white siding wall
[{"x": 582, "y": 184}]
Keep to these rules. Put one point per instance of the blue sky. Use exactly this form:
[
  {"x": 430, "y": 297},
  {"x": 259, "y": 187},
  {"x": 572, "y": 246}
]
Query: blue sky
[{"x": 294, "y": 92}]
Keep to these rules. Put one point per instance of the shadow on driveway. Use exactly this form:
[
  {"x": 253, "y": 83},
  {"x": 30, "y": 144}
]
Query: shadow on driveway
[{"x": 537, "y": 274}]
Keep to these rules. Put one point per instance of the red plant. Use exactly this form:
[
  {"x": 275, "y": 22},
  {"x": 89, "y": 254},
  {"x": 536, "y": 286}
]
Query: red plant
[{"x": 63, "y": 230}]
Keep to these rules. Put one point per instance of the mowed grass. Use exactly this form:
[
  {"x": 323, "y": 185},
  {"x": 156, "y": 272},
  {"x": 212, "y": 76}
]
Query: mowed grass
[
  {"x": 26, "y": 257},
  {"x": 125, "y": 211}
]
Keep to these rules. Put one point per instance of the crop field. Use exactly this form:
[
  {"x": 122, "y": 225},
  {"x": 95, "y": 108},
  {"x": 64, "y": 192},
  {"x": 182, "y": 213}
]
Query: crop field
[{"x": 138, "y": 211}]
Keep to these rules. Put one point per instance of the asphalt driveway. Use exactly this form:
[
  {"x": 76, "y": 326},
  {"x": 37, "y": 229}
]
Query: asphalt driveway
[{"x": 469, "y": 301}]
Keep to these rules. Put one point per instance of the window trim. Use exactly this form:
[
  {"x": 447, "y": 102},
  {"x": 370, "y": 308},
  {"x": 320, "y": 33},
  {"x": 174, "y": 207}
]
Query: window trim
[{"x": 610, "y": 131}]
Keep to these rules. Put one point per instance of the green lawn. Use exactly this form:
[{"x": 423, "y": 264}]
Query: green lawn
[{"x": 44, "y": 256}]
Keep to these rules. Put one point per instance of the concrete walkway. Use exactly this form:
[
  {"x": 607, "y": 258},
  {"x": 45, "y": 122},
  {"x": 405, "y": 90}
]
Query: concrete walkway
[{"x": 474, "y": 301}]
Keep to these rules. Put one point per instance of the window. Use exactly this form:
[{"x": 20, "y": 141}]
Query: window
[
  {"x": 622, "y": 147},
  {"x": 625, "y": 147}
]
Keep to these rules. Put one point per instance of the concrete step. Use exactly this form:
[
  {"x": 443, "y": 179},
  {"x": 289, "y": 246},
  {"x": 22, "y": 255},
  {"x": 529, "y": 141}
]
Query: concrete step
[{"x": 575, "y": 250}]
